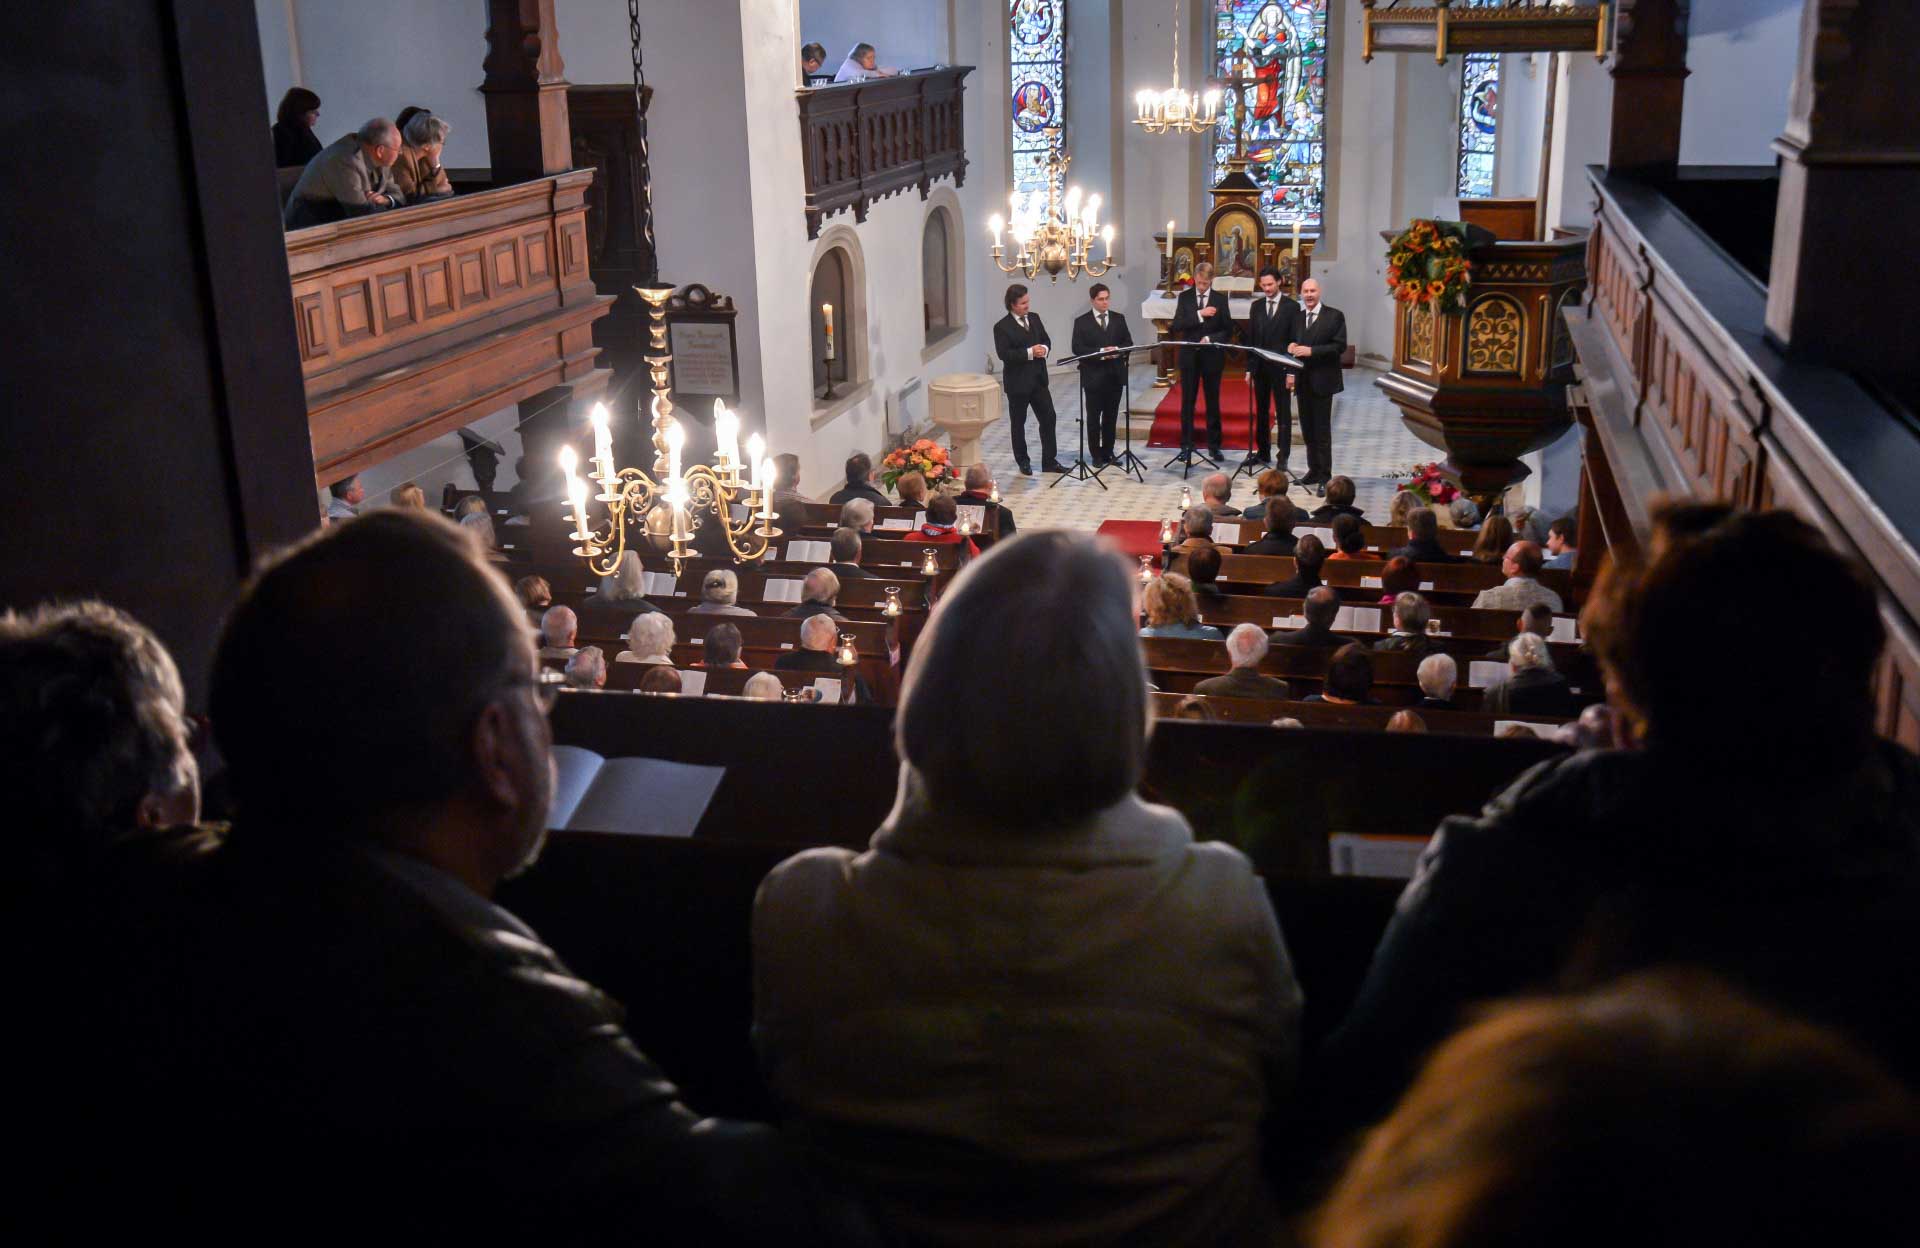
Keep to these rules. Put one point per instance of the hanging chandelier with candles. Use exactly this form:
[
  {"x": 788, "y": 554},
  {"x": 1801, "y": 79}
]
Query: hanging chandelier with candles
[
  {"x": 1176, "y": 111},
  {"x": 629, "y": 494},
  {"x": 1055, "y": 236}
]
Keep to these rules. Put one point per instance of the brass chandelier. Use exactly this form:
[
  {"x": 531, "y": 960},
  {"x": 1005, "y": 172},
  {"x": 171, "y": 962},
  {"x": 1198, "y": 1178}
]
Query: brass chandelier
[
  {"x": 1056, "y": 237},
  {"x": 1175, "y": 111}
]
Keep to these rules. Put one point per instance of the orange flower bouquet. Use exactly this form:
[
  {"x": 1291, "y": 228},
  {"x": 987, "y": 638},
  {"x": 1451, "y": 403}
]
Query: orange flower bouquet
[
  {"x": 926, "y": 457},
  {"x": 1427, "y": 263}
]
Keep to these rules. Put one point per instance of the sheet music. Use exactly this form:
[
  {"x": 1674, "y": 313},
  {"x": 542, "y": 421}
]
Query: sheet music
[
  {"x": 829, "y": 689},
  {"x": 646, "y": 797},
  {"x": 809, "y": 552},
  {"x": 1357, "y": 620},
  {"x": 1485, "y": 673},
  {"x": 693, "y": 684},
  {"x": 1226, "y": 533},
  {"x": 1564, "y": 629},
  {"x": 900, "y": 523},
  {"x": 781, "y": 589},
  {"x": 659, "y": 583}
]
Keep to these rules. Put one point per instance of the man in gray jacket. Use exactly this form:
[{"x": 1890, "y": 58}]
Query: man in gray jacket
[{"x": 349, "y": 178}]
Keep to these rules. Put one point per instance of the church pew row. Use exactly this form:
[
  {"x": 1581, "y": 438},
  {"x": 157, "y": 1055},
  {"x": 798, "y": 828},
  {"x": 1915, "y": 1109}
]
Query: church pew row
[
  {"x": 889, "y": 562},
  {"x": 1457, "y": 623},
  {"x": 730, "y": 681},
  {"x": 1325, "y": 715},
  {"x": 763, "y": 640},
  {"x": 1239, "y": 533},
  {"x": 664, "y": 926},
  {"x": 1453, "y": 583},
  {"x": 824, "y": 518}
]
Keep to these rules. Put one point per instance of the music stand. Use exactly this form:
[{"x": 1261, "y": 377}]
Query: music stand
[
  {"x": 1080, "y": 471},
  {"x": 1251, "y": 465},
  {"x": 1186, "y": 457},
  {"x": 1129, "y": 463}
]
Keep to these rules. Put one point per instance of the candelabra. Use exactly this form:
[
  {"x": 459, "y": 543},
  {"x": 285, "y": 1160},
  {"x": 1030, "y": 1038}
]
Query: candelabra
[
  {"x": 1058, "y": 237},
  {"x": 630, "y": 494},
  {"x": 658, "y": 360},
  {"x": 1175, "y": 111}
]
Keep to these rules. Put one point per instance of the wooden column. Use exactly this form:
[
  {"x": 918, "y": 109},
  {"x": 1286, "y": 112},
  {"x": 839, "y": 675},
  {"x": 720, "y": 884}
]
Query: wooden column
[
  {"x": 1649, "y": 80},
  {"x": 1849, "y": 180},
  {"x": 526, "y": 89}
]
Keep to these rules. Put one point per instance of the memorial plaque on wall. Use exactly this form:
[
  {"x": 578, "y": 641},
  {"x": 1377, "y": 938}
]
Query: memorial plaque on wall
[{"x": 706, "y": 355}]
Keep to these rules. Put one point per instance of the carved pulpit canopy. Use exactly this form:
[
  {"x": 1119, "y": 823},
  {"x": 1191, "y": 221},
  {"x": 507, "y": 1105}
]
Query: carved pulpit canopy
[{"x": 1455, "y": 27}]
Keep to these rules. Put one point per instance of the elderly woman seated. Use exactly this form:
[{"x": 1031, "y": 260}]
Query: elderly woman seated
[
  {"x": 764, "y": 687},
  {"x": 1173, "y": 611},
  {"x": 1054, "y": 1019},
  {"x": 719, "y": 590},
  {"x": 417, "y": 170},
  {"x": 649, "y": 639}
]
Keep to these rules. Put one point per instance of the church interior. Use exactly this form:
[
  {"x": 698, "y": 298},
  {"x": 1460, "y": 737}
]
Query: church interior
[{"x": 967, "y": 621}]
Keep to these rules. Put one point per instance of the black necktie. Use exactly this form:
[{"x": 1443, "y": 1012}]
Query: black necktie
[
  {"x": 1023, "y": 324},
  {"x": 1103, "y": 322}
]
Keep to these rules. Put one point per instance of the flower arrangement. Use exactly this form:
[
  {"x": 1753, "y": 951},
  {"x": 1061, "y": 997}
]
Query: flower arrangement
[
  {"x": 926, "y": 457},
  {"x": 1427, "y": 483},
  {"x": 1427, "y": 263}
]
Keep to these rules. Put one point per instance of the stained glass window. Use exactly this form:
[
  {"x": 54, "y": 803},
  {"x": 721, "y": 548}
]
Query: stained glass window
[
  {"x": 1037, "y": 32},
  {"x": 1282, "y": 46},
  {"x": 1479, "y": 111}
]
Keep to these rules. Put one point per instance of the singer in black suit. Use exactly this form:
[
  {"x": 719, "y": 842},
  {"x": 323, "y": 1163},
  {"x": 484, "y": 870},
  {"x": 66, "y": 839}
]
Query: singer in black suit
[
  {"x": 1319, "y": 342},
  {"x": 1270, "y": 327},
  {"x": 1022, "y": 344},
  {"x": 1102, "y": 380},
  {"x": 1201, "y": 315}
]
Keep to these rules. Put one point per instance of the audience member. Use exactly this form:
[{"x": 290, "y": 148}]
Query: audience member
[
  {"x": 719, "y": 590},
  {"x": 912, "y": 489},
  {"x": 819, "y": 595},
  {"x": 1269, "y": 485},
  {"x": 345, "y": 500},
  {"x": 860, "y": 65},
  {"x": 1533, "y": 687},
  {"x": 1246, "y": 647},
  {"x": 650, "y": 639},
  {"x": 1349, "y": 679},
  {"x": 857, "y": 514},
  {"x": 294, "y": 143},
  {"x": 1408, "y": 635},
  {"x": 417, "y": 170},
  {"x": 407, "y": 494},
  {"x": 1203, "y": 569},
  {"x": 1215, "y": 491},
  {"x": 1536, "y": 619},
  {"x": 1528, "y": 527},
  {"x": 789, "y": 504},
  {"x": 587, "y": 669},
  {"x": 1194, "y": 706},
  {"x": 1404, "y": 505},
  {"x": 720, "y": 648},
  {"x": 1349, "y": 539},
  {"x": 1142, "y": 961},
  {"x": 1561, "y": 543},
  {"x": 1196, "y": 528},
  {"x": 1753, "y": 808},
  {"x": 1463, "y": 513},
  {"x": 979, "y": 493},
  {"x": 1321, "y": 608},
  {"x": 844, "y": 549},
  {"x": 1437, "y": 675},
  {"x": 660, "y": 678},
  {"x": 1340, "y": 495},
  {"x": 1496, "y": 536},
  {"x": 860, "y": 482},
  {"x": 764, "y": 687},
  {"x": 1522, "y": 588},
  {"x": 1309, "y": 556},
  {"x": 559, "y": 629},
  {"x": 1279, "y": 516},
  {"x": 818, "y": 635},
  {"x": 349, "y": 178},
  {"x": 1423, "y": 539},
  {"x": 1399, "y": 576},
  {"x": 479, "y": 530},
  {"x": 1727, "y": 1122},
  {"x": 942, "y": 513},
  {"x": 1172, "y": 610},
  {"x": 1406, "y": 721},
  {"x": 534, "y": 594},
  {"x": 812, "y": 57}
]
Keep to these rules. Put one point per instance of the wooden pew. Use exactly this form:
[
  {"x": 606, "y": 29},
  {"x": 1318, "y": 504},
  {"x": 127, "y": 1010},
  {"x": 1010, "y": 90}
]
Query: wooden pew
[
  {"x": 1326, "y": 715},
  {"x": 1380, "y": 537},
  {"x": 1176, "y": 664},
  {"x": 1453, "y": 583},
  {"x": 824, "y": 518},
  {"x": 728, "y": 681},
  {"x": 763, "y": 640}
]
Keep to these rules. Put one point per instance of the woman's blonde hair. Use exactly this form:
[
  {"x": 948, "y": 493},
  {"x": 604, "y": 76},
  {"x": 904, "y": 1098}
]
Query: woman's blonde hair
[{"x": 1169, "y": 600}]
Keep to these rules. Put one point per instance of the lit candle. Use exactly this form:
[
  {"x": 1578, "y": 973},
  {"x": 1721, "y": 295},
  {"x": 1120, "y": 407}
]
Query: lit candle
[
  {"x": 997, "y": 224},
  {"x": 766, "y": 498},
  {"x": 929, "y": 562},
  {"x": 602, "y": 442},
  {"x": 569, "y": 462},
  {"x": 1106, "y": 238},
  {"x": 756, "y": 451},
  {"x": 1140, "y": 99},
  {"x": 826, "y": 313},
  {"x": 1169, "y": 253},
  {"x": 577, "y": 491},
  {"x": 994, "y": 494},
  {"x": 726, "y": 437}
]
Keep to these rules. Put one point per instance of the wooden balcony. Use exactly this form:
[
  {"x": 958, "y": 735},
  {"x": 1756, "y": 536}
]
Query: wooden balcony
[
  {"x": 1681, "y": 393},
  {"x": 865, "y": 141},
  {"x": 416, "y": 322}
]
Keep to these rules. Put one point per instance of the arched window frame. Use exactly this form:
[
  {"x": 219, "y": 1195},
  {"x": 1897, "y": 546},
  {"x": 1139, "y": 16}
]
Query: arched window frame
[
  {"x": 943, "y": 200},
  {"x": 850, "y": 326},
  {"x": 1301, "y": 144},
  {"x": 1036, "y": 71}
]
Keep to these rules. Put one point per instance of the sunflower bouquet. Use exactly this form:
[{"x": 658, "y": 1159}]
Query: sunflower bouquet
[
  {"x": 1427, "y": 263},
  {"x": 926, "y": 457}
]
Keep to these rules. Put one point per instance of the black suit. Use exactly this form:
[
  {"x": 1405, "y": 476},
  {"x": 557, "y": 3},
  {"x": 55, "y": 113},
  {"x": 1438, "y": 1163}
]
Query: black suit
[
  {"x": 1422, "y": 550},
  {"x": 1102, "y": 381},
  {"x": 849, "y": 571},
  {"x": 1271, "y": 333},
  {"x": 1318, "y": 383},
  {"x": 1198, "y": 368},
  {"x": 1025, "y": 381}
]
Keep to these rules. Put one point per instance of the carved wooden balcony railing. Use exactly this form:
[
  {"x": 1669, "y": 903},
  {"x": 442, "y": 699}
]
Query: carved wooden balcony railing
[
  {"x": 1682, "y": 394},
  {"x": 867, "y": 140},
  {"x": 416, "y": 322}
]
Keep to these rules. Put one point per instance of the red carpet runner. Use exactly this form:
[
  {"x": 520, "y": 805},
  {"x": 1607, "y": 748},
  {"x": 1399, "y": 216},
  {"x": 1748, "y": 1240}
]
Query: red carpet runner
[{"x": 1236, "y": 417}]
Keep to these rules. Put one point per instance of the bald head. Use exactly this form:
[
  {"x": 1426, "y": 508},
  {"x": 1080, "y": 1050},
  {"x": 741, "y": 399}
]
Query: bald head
[
  {"x": 817, "y": 632},
  {"x": 1522, "y": 559},
  {"x": 979, "y": 478},
  {"x": 1310, "y": 292},
  {"x": 1217, "y": 488},
  {"x": 1246, "y": 645},
  {"x": 558, "y": 627},
  {"x": 820, "y": 585},
  {"x": 1322, "y": 605}
]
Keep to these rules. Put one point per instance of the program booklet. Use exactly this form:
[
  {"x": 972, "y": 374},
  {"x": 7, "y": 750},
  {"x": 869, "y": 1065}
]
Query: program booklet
[{"x": 649, "y": 796}]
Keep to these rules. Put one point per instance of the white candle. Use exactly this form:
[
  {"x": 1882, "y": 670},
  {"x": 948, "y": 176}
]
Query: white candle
[
  {"x": 577, "y": 491},
  {"x": 756, "y": 448},
  {"x": 569, "y": 462},
  {"x": 997, "y": 225},
  {"x": 826, "y": 314},
  {"x": 766, "y": 498},
  {"x": 1296, "y": 240},
  {"x": 1106, "y": 238},
  {"x": 726, "y": 436},
  {"x": 1169, "y": 252},
  {"x": 602, "y": 441}
]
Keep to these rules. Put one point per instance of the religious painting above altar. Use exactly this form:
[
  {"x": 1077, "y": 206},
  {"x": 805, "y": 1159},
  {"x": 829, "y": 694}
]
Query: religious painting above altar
[{"x": 1282, "y": 46}]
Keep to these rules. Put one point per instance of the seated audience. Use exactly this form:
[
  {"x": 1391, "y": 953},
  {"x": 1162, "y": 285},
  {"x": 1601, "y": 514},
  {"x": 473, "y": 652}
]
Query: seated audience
[
  {"x": 294, "y": 143},
  {"x": 1339, "y": 496},
  {"x": 650, "y": 639},
  {"x": 328, "y": 993},
  {"x": 587, "y": 669},
  {"x": 844, "y": 549},
  {"x": 1269, "y": 485},
  {"x": 1203, "y": 569},
  {"x": 1536, "y": 619},
  {"x": 1561, "y": 543},
  {"x": 1533, "y": 687},
  {"x": 1408, "y": 635},
  {"x": 1404, "y": 505},
  {"x": 349, "y": 178},
  {"x": 1522, "y": 588},
  {"x": 1728, "y": 1122},
  {"x": 1196, "y": 528},
  {"x": 1400, "y": 576},
  {"x": 559, "y": 628},
  {"x": 1753, "y": 809},
  {"x": 1496, "y": 536},
  {"x": 818, "y": 635},
  {"x": 1349, "y": 539},
  {"x": 979, "y": 493},
  {"x": 857, "y": 514},
  {"x": 1309, "y": 556},
  {"x": 912, "y": 489},
  {"x": 1172, "y": 610},
  {"x": 1246, "y": 647},
  {"x": 661, "y": 678},
  {"x": 789, "y": 504},
  {"x": 1437, "y": 675},
  {"x": 1349, "y": 679},
  {"x": 1321, "y": 608},
  {"x": 860, "y": 482},
  {"x": 534, "y": 594},
  {"x": 417, "y": 170},
  {"x": 479, "y": 530},
  {"x": 942, "y": 512},
  {"x": 819, "y": 594},
  {"x": 1279, "y": 516},
  {"x": 1529, "y": 527},
  {"x": 860, "y": 65},
  {"x": 1463, "y": 513},
  {"x": 1406, "y": 721},
  {"x": 721, "y": 647},
  {"x": 346, "y": 497},
  {"x": 1195, "y": 707},
  {"x": 1215, "y": 490},
  {"x": 407, "y": 494},
  {"x": 719, "y": 590},
  {"x": 621, "y": 596},
  {"x": 1096, "y": 1072},
  {"x": 812, "y": 57},
  {"x": 1423, "y": 539},
  {"x": 764, "y": 687}
]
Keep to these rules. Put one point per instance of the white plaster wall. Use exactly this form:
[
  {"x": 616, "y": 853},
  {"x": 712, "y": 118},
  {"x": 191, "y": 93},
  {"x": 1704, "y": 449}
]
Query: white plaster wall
[
  {"x": 274, "y": 18},
  {"x": 906, "y": 34},
  {"x": 1740, "y": 58},
  {"x": 1523, "y": 96},
  {"x": 1582, "y": 113}
]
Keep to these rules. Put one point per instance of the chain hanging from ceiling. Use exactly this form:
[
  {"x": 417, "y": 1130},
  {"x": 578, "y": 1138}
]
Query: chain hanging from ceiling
[{"x": 645, "y": 206}]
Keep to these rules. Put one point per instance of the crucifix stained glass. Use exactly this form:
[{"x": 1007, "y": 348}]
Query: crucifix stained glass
[
  {"x": 1037, "y": 61},
  {"x": 1282, "y": 45}
]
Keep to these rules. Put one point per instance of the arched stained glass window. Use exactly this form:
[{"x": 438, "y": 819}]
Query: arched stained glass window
[
  {"x": 1479, "y": 112},
  {"x": 1037, "y": 64},
  {"x": 1282, "y": 46}
]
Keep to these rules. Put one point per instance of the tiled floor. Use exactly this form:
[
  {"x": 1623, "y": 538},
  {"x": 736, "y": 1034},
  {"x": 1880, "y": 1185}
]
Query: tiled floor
[{"x": 1369, "y": 441}]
